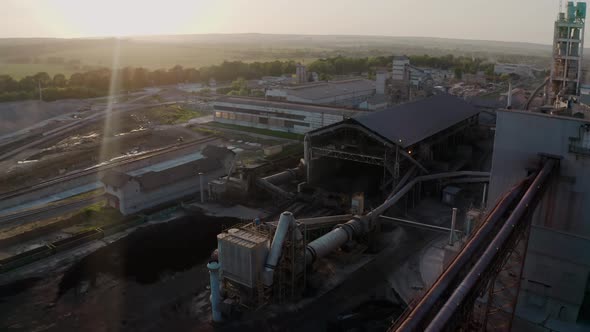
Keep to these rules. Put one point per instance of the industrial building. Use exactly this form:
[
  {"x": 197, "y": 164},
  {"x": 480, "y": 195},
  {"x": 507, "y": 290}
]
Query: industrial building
[
  {"x": 556, "y": 277},
  {"x": 158, "y": 184},
  {"x": 568, "y": 51},
  {"x": 360, "y": 161},
  {"x": 396, "y": 141},
  {"x": 343, "y": 93},
  {"x": 522, "y": 70},
  {"x": 275, "y": 115},
  {"x": 405, "y": 79},
  {"x": 376, "y": 103}
]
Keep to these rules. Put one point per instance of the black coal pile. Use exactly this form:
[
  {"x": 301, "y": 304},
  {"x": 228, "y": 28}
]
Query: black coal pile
[{"x": 150, "y": 252}]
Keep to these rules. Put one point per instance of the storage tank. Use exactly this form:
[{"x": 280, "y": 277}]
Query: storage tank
[{"x": 242, "y": 254}]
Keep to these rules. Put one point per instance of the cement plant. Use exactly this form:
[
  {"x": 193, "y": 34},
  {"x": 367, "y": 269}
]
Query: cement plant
[{"x": 405, "y": 198}]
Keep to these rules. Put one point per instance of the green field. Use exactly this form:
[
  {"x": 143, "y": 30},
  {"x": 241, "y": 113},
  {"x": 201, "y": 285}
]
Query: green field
[
  {"x": 21, "y": 57},
  {"x": 148, "y": 55}
]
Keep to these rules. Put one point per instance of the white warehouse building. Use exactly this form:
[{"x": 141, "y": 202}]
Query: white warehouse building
[
  {"x": 158, "y": 184},
  {"x": 275, "y": 115}
]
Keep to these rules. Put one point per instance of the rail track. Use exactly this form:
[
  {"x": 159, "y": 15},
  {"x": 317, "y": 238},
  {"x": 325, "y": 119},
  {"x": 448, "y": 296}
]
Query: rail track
[
  {"x": 96, "y": 169},
  {"x": 26, "y": 216}
]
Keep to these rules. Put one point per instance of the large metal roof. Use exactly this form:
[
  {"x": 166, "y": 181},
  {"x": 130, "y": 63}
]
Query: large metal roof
[
  {"x": 410, "y": 123},
  {"x": 238, "y": 102},
  {"x": 323, "y": 90}
]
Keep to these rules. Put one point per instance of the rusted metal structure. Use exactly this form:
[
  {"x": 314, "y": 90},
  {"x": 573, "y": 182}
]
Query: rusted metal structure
[{"x": 479, "y": 289}]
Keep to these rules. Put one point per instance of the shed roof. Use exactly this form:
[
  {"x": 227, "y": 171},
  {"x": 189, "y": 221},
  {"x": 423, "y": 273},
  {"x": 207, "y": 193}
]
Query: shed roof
[
  {"x": 410, "y": 123},
  {"x": 115, "y": 178},
  {"x": 319, "y": 91},
  {"x": 244, "y": 102},
  {"x": 154, "y": 180}
]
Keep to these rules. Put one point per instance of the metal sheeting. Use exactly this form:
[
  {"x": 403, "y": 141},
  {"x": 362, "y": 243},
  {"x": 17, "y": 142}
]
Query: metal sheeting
[
  {"x": 241, "y": 255},
  {"x": 410, "y": 123},
  {"x": 415, "y": 320}
]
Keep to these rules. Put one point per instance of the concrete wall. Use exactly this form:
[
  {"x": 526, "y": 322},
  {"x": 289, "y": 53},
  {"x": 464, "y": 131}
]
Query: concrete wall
[
  {"x": 277, "y": 119},
  {"x": 400, "y": 69},
  {"x": 380, "y": 80},
  {"x": 554, "y": 278},
  {"x": 558, "y": 259}
]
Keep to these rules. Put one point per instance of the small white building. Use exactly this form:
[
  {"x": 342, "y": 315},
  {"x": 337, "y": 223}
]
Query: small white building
[
  {"x": 400, "y": 68},
  {"x": 134, "y": 193}
]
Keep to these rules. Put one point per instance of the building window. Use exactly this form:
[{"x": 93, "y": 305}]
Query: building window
[
  {"x": 263, "y": 120},
  {"x": 217, "y": 114},
  {"x": 232, "y": 116}
]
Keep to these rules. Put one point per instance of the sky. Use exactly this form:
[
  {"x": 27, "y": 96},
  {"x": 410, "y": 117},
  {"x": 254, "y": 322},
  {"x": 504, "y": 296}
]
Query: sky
[{"x": 503, "y": 20}]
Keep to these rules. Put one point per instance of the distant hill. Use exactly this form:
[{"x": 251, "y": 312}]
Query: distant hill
[{"x": 20, "y": 57}]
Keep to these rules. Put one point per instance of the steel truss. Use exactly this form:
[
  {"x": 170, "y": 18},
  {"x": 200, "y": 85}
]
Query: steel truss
[{"x": 361, "y": 158}]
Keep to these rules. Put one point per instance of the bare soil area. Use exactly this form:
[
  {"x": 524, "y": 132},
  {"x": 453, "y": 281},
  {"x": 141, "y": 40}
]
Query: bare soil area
[{"x": 135, "y": 284}]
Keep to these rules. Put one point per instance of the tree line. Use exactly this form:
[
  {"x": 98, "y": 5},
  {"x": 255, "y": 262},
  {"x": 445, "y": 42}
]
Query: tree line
[
  {"x": 97, "y": 82},
  {"x": 345, "y": 65},
  {"x": 94, "y": 83}
]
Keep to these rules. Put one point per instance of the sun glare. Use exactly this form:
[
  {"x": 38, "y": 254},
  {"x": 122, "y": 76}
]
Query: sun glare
[{"x": 127, "y": 18}]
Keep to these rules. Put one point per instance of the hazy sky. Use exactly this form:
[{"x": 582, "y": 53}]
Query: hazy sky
[{"x": 509, "y": 20}]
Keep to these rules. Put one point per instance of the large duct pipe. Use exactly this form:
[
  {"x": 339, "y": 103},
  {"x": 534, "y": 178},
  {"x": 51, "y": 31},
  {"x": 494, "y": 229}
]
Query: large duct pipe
[
  {"x": 215, "y": 294},
  {"x": 413, "y": 322},
  {"x": 270, "y": 182},
  {"x": 453, "y": 303},
  {"x": 333, "y": 240},
  {"x": 393, "y": 199},
  {"x": 274, "y": 189},
  {"x": 358, "y": 225},
  {"x": 282, "y": 177},
  {"x": 286, "y": 221}
]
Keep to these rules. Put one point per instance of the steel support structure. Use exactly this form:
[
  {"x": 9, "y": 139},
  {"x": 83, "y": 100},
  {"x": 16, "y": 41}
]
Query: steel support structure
[
  {"x": 503, "y": 293},
  {"x": 360, "y": 158},
  {"x": 482, "y": 296},
  {"x": 495, "y": 278}
]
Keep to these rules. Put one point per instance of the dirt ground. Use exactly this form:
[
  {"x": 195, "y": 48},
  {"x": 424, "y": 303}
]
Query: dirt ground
[
  {"x": 16, "y": 116},
  {"x": 121, "y": 135},
  {"x": 135, "y": 284}
]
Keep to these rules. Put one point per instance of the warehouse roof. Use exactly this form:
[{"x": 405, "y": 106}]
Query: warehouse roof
[
  {"x": 245, "y": 102},
  {"x": 319, "y": 91},
  {"x": 410, "y": 123},
  {"x": 156, "y": 179},
  {"x": 115, "y": 178}
]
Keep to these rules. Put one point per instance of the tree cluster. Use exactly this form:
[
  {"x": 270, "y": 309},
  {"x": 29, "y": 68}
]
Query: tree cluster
[
  {"x": 341, "y": 65},
  {"x": 98, "y": 82}
]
